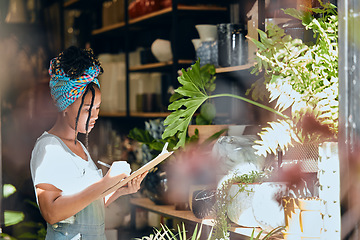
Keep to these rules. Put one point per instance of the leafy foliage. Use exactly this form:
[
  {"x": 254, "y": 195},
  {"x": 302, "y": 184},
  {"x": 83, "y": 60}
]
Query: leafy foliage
[
  {"x": 189, "y": 97},
  {"x": 301, "y": 77},
  {"x": 166, "y": 234},
  {"x": 11, "y": 217},
  {"x": 17, "y": 217},
  {"x": 221, "y": 224}
]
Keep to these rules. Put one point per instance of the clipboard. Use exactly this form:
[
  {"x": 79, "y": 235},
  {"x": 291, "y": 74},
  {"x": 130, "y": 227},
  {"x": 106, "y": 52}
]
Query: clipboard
[{"x": 161, "y": 157}]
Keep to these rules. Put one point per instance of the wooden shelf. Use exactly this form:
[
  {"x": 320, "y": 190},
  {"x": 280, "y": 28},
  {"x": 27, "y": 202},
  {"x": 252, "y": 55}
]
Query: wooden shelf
[
  {"x": 234, "y": 68},
  {"x": 71, "y": 3},
  {"x": 169, "y": 211},
  {"x": 149, "y": 16},
  {"x": 180, "y": 8},
  {"x": 108, "y": 28},
  {"x": 150, "y": 114},
  {"x": 112, "y": 114},
  {"x": 157, "y": 65}
]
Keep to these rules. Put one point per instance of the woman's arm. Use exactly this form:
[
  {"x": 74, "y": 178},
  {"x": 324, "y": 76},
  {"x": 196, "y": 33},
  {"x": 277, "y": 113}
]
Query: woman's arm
[
  {"x": 132, "y": 187},
  {"x": 54, "y": 207}
]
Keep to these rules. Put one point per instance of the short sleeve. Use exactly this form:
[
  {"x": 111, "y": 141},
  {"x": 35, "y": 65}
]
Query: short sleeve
[{"x": 50, "y": 164}]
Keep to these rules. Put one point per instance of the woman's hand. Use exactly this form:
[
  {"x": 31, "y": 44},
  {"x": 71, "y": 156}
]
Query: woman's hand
[
  {"x": 118, "y": 171},
  {"x": 132, "y": 187}
]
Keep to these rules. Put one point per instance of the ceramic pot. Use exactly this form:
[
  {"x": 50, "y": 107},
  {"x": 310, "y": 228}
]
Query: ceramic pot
[
  {"x": 207, "y": 52},
  {"x": 201, "y": 200},
  {"x": 240, "y": 208},
  {"x": 207, "y": 32},
  {"x": 236, "y": 153},
  {"x": 162, "y": 50},
  {"x": 157, "y": 187},
  {"x": 17, "y": 12},
  {"x": 196, "y": 42},
  {"x": 267, "y": 207}
]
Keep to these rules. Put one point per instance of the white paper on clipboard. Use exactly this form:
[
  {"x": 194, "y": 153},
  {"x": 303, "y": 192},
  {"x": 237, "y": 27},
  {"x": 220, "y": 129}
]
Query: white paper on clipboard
[{"x": 161, "y": 157}]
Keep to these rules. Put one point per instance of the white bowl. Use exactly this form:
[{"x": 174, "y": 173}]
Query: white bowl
[
  {"x": 162, "y": 50},
  {"x": 207, "y": 32}
]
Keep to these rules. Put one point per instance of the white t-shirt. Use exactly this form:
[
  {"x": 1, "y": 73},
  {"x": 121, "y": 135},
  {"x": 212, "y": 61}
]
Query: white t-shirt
[{"x": 54, "y": 163}]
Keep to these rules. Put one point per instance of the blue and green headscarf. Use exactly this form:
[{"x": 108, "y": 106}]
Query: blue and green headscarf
[{"x": 65, "y": 90}]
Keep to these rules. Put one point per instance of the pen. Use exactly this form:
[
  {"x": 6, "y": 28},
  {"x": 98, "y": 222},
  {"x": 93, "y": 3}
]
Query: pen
[{"x": 104, "y": 164}]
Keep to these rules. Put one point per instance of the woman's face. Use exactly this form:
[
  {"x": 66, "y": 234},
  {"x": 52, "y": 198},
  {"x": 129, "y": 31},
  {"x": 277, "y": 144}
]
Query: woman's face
[{"x": 71, "y": 112}]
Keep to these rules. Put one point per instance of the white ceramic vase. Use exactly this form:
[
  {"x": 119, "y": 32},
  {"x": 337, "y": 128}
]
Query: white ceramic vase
[
  {"x": 196, "y": 42},
  {"x": 240, "y": 208},
  {"x": 207, "y": 32},
  {"x": 162, "y": 50},
  {"x": 267, "y": 208}
]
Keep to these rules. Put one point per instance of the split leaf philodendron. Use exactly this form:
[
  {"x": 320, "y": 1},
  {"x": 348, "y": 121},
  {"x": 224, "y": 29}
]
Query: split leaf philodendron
[{"x": 193, "y": 95}]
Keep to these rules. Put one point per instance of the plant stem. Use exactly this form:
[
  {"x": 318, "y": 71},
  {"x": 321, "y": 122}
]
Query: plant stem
[{"x": 251, "y": 102}]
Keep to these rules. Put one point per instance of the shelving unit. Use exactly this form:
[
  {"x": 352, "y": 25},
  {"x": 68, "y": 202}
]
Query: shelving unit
[
  {"x": 169, "y": 16},
  {"x": 238, "y": 232}
]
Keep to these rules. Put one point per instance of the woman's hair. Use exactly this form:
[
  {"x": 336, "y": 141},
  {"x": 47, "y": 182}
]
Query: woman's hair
[
  {"x": 90, "y": 87},
  {"x": 74, "y": 62}
]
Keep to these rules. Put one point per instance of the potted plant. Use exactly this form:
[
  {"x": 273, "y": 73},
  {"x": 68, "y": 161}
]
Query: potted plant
[
  {"x": 189, "y": 98},
  {"x": 225, "y": 196},
  {"x": 302, "y": 78},
  {"x": 204, "y": 130}
]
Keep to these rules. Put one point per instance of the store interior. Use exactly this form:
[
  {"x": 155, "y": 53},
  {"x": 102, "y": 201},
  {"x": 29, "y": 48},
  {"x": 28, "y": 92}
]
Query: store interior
[{"x": 145, "y": 47}]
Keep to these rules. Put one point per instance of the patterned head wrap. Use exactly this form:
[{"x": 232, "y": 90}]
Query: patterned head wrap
[{"x": 65, "y": 90}]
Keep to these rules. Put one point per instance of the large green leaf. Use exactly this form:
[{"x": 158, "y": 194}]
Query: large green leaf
[
  {"x": 193, "y": 91},
  {"x": 13, "y": 217}
]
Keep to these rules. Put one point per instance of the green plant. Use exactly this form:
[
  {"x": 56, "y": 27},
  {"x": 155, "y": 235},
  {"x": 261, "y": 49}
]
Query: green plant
[
  {"x": 302, "y": 78},
  {"x": 16, "y": 217},
  {"x": 272, "y": 232},
  {"x": 166, "y": 234},
  {"x": 191, "y": 95},
  {"x": 221, "y": 223},
  {"x": 207, "y": 109},
  {"x": 11, "y": 217}
]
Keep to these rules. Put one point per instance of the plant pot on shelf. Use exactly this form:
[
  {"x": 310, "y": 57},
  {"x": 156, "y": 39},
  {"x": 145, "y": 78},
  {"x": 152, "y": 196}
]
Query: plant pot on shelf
[
  {"x": 201, "y": 200},
  {"x": 267, "y": 208},
  {"x": 161, "y": 49},
  {"x": 156, "y": 186},
  {"x": 207, "y": 32},
  {"x": 240, "y": 208},
  {"x": 206, "y": 131}
]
